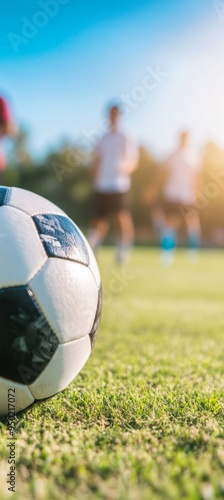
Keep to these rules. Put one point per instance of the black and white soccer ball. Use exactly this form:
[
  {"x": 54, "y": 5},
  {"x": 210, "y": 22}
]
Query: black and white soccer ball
[{"x": 50, "y": 299}]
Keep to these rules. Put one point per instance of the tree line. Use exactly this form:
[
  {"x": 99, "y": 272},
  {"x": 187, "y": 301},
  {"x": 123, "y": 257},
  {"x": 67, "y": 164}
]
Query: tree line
[{"x": 63, "y": 177}]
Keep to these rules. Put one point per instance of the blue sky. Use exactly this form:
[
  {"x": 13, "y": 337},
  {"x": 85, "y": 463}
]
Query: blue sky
[{"x": 60, "y": 78}]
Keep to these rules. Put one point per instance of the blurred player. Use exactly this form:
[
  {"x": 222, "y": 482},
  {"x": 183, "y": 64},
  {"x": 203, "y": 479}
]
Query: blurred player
[
  {"x": 181, "y": 180},
  {"x": 116, "y": 157},
  {"x": 7, "y": 128}
]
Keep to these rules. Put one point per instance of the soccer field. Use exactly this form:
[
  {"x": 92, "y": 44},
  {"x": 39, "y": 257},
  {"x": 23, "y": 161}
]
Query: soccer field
[{"x": 145, "y": 418}]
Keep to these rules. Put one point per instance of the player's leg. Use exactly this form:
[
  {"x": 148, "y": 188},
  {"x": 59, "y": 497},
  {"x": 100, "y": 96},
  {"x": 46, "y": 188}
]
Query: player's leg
[
  {"x": 100, "y": 225},
  {"x": 157, "y": 218},
  {"x": 126, "y": 234},
  {"x": 97, "y": 232},
  {"x": 168, "y": 240},
  {"x": 194, "y": 232}
]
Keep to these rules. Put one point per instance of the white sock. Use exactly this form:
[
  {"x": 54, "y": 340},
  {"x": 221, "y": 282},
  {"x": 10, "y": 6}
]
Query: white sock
[
  {"x": 123, "y": 251},
  {"x": 167, "y": 258}
]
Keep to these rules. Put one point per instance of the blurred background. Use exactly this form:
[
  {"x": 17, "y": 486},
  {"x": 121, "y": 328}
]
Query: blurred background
[{"x": 62, "y": 62}]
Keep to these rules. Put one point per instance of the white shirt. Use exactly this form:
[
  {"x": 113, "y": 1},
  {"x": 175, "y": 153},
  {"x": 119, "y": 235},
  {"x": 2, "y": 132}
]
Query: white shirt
[
  {"x": 183, "y": 167},
  {"x": 118, "y": 156}
]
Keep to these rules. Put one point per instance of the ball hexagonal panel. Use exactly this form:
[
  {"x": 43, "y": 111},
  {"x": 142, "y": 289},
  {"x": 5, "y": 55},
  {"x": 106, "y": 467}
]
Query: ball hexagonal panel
[
  {"x": 68, "y": 296},
  {"x": 61, "y": 238},
  {"x": 92, "y": 262},
  {"x": 21, "y": 251},
  {"x": 27, "y": 343},
  {"x": 62, "y": 369},
  {"x": 31, "y": 203}
]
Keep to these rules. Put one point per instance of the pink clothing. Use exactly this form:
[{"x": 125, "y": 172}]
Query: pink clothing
[
  {"x": 2, "y": 161},
  {"x": 4, "y": 118},
  {"x": 4, "y": 112}
]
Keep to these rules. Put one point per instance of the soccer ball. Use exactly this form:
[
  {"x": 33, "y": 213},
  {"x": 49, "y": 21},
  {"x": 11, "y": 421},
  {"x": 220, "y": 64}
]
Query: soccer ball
[{"x": 50, "y": 299}]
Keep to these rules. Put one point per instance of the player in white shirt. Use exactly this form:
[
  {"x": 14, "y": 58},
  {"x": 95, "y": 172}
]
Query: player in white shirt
[
  {"x": 182, "y": 176},
  {"x": 115, "y": 158}
]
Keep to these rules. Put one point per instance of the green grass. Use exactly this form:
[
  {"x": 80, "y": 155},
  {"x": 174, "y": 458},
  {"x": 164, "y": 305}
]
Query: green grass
[{"x": 145, "y": 418}]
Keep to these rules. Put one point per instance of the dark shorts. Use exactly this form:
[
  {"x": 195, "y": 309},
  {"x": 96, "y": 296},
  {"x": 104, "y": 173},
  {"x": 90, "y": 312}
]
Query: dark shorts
[
  {"x": 176, "y": 208},
  {"x": 108, "y": 204}
]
